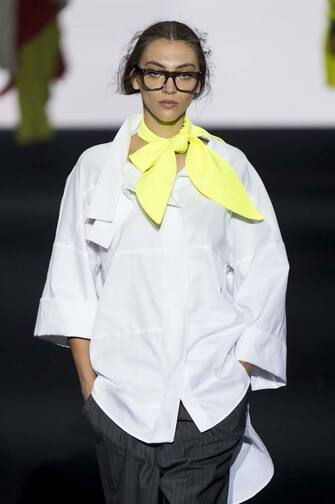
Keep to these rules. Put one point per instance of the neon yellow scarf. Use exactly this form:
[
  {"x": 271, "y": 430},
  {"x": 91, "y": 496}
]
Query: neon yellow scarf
[{"x": 211, "y": 174}]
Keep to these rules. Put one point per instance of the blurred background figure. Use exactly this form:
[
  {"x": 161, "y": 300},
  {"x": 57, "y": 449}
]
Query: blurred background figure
[
  {"x": 329, "y": 45},
  {"x": 30, "y": 51}
]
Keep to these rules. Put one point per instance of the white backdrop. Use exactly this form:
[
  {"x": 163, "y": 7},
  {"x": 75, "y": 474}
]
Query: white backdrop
[{"x": 266, "y": 54}]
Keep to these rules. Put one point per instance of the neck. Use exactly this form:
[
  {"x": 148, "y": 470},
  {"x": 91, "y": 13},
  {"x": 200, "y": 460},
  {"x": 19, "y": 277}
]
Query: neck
[{"x": 165, "y": 129}]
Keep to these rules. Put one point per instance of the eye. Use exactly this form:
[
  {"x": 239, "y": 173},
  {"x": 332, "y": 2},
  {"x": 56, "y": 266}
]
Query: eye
[
  {"x": 154, "y": 73},
  {"x": 186, "y": 76}
]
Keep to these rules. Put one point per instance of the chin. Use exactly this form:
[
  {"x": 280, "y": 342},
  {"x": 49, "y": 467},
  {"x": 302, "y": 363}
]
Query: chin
[
  {"x": 169, "y": 115},
  {"x": 164, "y": 115}
]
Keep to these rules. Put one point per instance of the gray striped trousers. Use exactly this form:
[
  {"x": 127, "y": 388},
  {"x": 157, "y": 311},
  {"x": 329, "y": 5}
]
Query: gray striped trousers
[{"x": 193, "y": 469}]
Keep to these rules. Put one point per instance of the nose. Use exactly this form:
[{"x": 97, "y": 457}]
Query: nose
[{"x": 169, "y": 86}]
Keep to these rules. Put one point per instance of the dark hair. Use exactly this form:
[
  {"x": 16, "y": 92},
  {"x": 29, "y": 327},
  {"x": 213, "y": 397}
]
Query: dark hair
[{"x": 171, "y": 30}]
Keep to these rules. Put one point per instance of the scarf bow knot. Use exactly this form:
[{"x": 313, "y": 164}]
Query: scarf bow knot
[{"x": 209, "y": 172}]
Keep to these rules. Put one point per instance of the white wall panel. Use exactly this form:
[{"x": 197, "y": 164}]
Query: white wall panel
[{"x": 267, "y": 58}]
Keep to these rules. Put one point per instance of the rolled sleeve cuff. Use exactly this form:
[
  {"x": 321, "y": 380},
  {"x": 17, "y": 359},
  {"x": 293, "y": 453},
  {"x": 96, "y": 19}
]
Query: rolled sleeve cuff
[
  {"x": 57, "y": 319},
  {"x": 267, "y": 353}
]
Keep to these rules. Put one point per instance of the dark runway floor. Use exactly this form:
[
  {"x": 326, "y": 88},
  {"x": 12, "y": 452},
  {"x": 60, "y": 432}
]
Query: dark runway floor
[{"x": 47, "y": 450}]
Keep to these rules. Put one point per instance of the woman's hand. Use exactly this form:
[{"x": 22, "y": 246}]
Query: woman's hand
[
  {"x": 247, "y": 366},
  {"x": 81, "y": 357},
  {"x": 86, "y": 388}
]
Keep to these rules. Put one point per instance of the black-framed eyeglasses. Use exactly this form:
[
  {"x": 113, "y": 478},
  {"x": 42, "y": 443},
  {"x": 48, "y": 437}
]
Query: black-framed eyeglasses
[{"x": 154, "y": 80}]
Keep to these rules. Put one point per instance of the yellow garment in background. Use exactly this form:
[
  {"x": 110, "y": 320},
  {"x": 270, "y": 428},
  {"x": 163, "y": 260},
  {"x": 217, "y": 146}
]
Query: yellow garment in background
[
  {"x": 36, "y": 64},
  {"x": 329, "y": 48},
  {"x": 211, "y": 174}
]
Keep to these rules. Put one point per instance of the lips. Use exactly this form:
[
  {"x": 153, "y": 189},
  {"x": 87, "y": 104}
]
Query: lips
[{"x": 168, "y": 103}]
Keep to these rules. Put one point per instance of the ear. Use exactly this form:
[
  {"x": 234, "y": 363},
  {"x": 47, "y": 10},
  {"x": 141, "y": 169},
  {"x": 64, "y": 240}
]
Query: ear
[
  {"x": 134, "y": 79},
  {"x": 197, "y": 89}
]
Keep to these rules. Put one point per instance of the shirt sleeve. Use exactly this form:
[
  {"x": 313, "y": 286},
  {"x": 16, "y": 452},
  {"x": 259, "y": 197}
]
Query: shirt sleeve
[
  {"x": 260, "y": 270},
  {"x": 70, "y": 295}
]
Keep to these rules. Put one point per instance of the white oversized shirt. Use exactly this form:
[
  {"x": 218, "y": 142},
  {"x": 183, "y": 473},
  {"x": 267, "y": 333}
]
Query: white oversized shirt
[{"x": 169, "y": 310}]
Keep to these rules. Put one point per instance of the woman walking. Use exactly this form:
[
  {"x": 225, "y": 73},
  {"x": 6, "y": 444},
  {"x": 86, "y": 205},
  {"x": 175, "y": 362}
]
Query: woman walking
[{"x": 167, "y": 281}]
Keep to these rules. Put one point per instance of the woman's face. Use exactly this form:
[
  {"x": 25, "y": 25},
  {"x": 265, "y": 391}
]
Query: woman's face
[{"x": 171, "y": 55}]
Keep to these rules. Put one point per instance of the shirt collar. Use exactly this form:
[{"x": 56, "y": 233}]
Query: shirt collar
[
  {"x": 112, "y": 176},
  {"x": 109, "y": 184}
]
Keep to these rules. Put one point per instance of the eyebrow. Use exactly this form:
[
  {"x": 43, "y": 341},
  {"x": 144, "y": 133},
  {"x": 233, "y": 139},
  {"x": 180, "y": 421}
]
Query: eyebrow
[{"x": 152, "y": 62}]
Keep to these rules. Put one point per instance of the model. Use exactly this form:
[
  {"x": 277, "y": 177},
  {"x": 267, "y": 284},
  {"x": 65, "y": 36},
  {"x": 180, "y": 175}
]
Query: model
[{"x": 167, "y": 280}]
